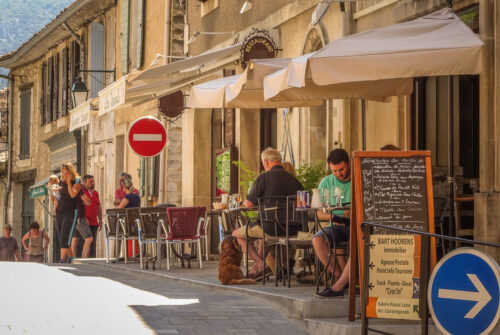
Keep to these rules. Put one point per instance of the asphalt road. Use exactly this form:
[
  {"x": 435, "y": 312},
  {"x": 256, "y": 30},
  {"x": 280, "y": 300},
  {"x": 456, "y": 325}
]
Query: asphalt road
[{"x": 86, "y": 299}]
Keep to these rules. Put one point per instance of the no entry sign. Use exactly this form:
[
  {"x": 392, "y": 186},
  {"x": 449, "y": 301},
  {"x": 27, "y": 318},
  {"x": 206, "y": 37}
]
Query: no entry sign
[{"x": 147, "y": 136}]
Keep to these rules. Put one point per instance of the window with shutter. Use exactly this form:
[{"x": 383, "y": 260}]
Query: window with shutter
[
  {"x": 55, "y": 88},
  {"x": 50, "y": 85},
  {"x": 24, "y": 124},
  {"x": 43, "y": 93},
  {"x": 96, "y": 58},
  {"x": 124, "y": 35},
  {"x": 64, "y": 82},
  {"x": 139, "y": 33}
]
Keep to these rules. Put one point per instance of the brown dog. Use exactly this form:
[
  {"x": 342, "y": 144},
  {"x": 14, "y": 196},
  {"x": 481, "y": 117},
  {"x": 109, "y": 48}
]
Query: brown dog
[{"x": 229, "y": 263}]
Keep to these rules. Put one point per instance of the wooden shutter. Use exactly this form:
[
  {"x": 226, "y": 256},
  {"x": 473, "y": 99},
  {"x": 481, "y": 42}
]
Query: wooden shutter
[
  {"x": 96, "y": 58},
  {"x": 139, "y": 33},
  {"x": 50, "y": 84},
  {"x": 43, "y": 94},
  {"x": 24, "y": 124},
  {"x": 71, "y": 75},
  {"x": 64, "y": 82},
  {"x": 55, "y": 88},
  {"x": 124, "y": 35}
]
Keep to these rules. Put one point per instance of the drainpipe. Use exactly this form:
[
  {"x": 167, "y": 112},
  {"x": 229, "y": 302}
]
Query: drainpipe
[
  {"x": 7, "y": 185},
  {"x": 166, "y": 52}
]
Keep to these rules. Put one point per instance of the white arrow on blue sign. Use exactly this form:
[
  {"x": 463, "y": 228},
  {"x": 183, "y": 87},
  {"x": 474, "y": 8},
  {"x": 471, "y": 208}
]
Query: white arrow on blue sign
[{"x": 464, "y": 293}]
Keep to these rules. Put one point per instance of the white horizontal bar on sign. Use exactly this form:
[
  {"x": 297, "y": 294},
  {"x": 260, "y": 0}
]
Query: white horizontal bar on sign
[{"x": 147, "y": 137}]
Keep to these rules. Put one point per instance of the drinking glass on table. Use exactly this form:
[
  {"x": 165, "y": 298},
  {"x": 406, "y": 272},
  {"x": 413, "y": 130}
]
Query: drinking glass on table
[
  {"x": 339, "y": 195},
  {"x": 325, "y": 197}
]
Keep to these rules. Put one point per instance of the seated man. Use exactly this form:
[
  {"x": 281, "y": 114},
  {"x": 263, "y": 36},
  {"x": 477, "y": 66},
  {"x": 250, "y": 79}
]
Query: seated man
[
  {"x": 275, "y": 181},
  {"x": 339, "y": 182}
]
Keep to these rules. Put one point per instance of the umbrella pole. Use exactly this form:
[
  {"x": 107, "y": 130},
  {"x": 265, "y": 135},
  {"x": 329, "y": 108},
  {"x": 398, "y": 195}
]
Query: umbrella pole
[
  {"x": 451, "y": 177},
  {"x": 363, "y": 123}
]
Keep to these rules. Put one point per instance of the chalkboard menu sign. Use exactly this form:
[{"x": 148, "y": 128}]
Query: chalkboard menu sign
[
  {"x": 394, "y": 192},
  {"x": 392, "y": 189}
]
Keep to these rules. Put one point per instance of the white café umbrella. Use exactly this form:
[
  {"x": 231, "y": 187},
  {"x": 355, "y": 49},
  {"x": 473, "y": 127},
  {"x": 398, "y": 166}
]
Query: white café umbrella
[
  {"x": 384, "y": 59},
  {"x": 243, "y": 90}
]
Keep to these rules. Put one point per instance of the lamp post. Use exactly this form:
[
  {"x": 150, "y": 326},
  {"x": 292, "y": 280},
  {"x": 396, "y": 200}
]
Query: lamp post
[{"x": 79, "y": 92}]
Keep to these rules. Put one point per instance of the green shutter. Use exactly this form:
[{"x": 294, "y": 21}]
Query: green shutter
[
  {"x": 24, "y": 125},
  {"x": 124, "y": 35},
  {"x": 139, "y": 33}
]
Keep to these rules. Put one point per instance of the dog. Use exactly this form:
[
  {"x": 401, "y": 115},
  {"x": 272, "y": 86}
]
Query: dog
[{"x": 229, "y": 263}]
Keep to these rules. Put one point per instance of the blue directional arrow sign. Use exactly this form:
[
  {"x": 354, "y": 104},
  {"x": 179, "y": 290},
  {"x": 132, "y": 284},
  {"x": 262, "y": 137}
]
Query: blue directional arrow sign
[{"x": 464, "y": 293}]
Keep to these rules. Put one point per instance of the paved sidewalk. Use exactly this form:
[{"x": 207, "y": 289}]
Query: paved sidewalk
[{"x": 216, "y": 312}]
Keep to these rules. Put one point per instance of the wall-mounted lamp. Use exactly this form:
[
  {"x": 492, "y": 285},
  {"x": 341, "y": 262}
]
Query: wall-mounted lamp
[
  {"x": 79, "y": 92},
  {"x": 158, "y": 56},
  {"x": 247, "y": 5},
  {"x": 196, "y": 33}
]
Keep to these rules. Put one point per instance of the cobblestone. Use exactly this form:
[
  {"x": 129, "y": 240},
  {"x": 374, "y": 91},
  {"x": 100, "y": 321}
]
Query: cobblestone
[{"x": 216, "y": 312}]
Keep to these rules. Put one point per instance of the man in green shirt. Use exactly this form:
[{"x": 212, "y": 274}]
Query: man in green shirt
[{"x": 339, "y": 185}]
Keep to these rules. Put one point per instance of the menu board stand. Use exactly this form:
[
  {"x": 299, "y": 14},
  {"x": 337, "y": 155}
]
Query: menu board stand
[{"x": 392, "y": 189}]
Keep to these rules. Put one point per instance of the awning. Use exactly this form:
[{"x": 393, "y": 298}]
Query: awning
[
  {"x": 162, "y": 71},
  {"x": 39, "y": 189},
  {"x": 433, "y": 45},
  {"x": 243, "y": 90}
]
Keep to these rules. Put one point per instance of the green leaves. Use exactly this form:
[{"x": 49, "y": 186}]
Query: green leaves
[{"x": 310, "y": 174}]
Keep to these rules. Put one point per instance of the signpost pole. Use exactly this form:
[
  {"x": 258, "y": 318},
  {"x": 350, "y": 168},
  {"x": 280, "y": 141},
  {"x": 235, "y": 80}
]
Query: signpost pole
[
  {"x": 424, "y": 280},
  {"x": 364, "y": 299}
]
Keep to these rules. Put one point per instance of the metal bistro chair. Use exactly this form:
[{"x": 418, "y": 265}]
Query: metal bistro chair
[
  {"x": 183, "y": 227},
  {"x": 203, "y": 228},
  {"x": 272, "y": 217},
  {"x": 130, "y": 230},
  {"x": 295, "y": 222},
  {"x": 149, "y": 232},
  {"x": 114, "y": 220}
]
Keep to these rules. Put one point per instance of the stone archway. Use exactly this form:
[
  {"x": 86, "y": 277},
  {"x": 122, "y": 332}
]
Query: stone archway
[{"x": 314, "y": 40}]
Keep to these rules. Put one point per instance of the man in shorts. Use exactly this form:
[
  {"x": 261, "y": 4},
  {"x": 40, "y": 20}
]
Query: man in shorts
[
  {"x": 338, "y": 183},
  {"x": 9, "y": 250},
  {"x": 275, "y": 181},
  {"x": 81, "y": 229}
]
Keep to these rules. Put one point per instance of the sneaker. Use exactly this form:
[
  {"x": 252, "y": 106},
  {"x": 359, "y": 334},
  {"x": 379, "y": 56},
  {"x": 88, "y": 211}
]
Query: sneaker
[{"x": 329, "y": 293}]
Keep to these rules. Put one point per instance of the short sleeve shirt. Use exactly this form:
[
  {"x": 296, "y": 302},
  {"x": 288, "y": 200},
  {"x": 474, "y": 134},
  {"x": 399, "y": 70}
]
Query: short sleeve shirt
[
  {"x": 133, "y": 200},
  {"x": 8, "y": 247},
  {"x": 120, "y": 193},
  {"x": 91, "y": 211},
  {"x": 275, "y": 182},
  {"x": 331, "y": 182}
]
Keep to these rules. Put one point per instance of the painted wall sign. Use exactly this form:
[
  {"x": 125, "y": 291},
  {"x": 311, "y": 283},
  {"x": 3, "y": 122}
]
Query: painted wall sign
[
  {"x": 112, "y": 96},
  {"x": 79, "y": 116},
  {"x": 257, "y": 46}
]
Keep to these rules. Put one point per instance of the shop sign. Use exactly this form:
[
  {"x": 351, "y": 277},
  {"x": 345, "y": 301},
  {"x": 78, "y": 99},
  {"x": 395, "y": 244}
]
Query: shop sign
[
  {"x": 259, "y": 45},
  {"x": 112, "y": 96},
  {"x": 38, "y": 191},
  {"x": 394, "y": 277},
  {"x": 80, "y": 116}
]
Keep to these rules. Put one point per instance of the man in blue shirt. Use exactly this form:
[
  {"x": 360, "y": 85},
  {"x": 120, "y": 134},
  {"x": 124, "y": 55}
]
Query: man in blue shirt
[{"x": 339, "y": 185}]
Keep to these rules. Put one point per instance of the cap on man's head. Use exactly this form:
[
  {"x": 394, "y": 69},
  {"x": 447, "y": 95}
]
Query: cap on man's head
[{"x": 7, "y": 226}]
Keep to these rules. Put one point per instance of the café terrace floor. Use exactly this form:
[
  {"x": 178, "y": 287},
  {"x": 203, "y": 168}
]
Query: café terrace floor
[{"x": 314, "y": 315}]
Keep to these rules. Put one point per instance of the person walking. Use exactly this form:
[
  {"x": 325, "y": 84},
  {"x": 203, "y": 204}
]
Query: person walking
[
  {"x": 35, "y": 248},
  {"x": 9, "y": 250},
  {"x": 67, "y": 208},
  {"x": 93, "y": 212}
]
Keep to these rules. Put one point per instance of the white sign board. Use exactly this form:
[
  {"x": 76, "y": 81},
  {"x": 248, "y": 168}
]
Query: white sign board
[
  {"x": 79, "y": 116},
  {"x": 112, "y": 96}
]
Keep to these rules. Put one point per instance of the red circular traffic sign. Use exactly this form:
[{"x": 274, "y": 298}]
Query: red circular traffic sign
[{"x": 147, "y": 136}]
